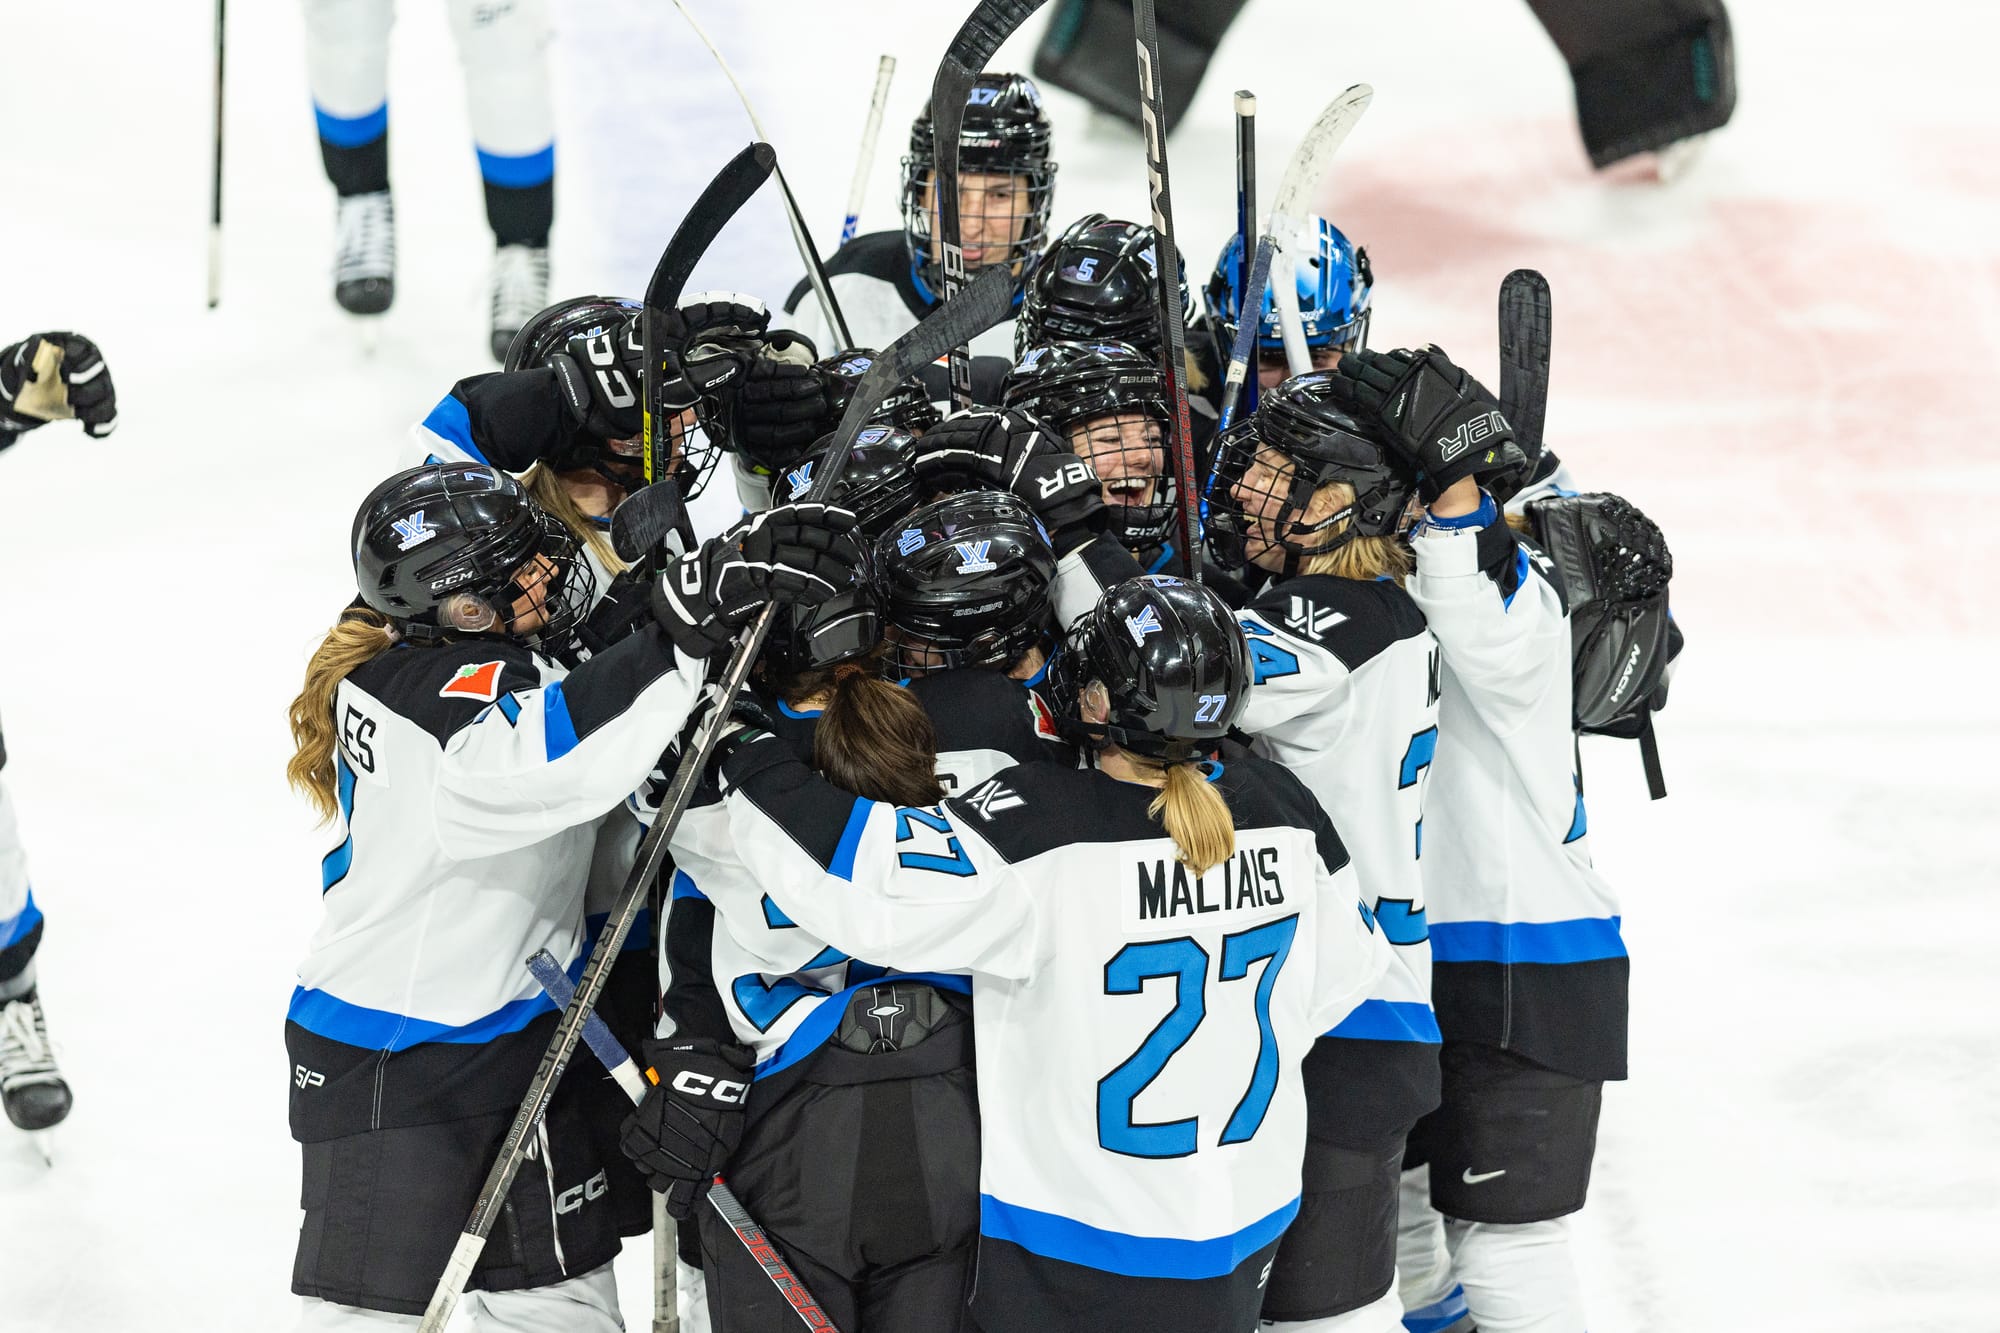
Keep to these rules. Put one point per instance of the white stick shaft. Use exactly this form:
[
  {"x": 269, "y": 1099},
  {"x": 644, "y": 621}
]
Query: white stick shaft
[{"x": 871, "y": 131}]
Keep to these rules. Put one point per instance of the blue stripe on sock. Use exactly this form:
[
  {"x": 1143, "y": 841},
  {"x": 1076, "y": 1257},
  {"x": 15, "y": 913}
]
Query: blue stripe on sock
[
  {"x": 15, "y": 928},
  {"x": 352, "y": 131},
  {"x": 1438, "y": 1315},
  {"x": 518, "y": 173}
]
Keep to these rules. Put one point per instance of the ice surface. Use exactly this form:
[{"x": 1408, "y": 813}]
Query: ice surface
[{"x": 1787, "y": 358}]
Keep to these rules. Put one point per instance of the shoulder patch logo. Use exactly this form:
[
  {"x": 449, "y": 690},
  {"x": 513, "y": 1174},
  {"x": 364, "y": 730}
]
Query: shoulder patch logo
[
  {"x": 990, "y": 798},
  {"x": 1312, "y": 620},
  {"x": 1045, "y": 718},
  {"x": 479, "y": 681}
]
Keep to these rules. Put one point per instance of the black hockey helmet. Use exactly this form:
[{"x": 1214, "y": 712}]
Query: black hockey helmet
[
  {"x": 1004, "y": 131},
  {"x": 1269, "y": 467},
  {"x": 1096, "y": 284},
  {"x": 908, "y": 405},
  {"x": 965, "y": 582},
  {"x": 1080, "y": 389},
  {"x": 433, "y": 545},
  {"x": 1173, "y": 663},
  {"x": 877, "y": 485},
  {"x": 547, "y": 332}
]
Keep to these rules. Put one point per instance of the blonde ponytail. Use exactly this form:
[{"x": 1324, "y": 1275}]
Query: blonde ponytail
[
  {"x": 1196, "y": 818},
  {"x": 549, "y": 492},
  {"x": 1360, "y": 558},
  {"x": 360, "y": 636}
]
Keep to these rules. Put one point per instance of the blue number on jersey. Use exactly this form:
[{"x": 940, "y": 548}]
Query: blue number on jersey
[
  {"x": 764, "y": 1003},
  {"x": 1416, "y": 759},
  {"x": 1127, "y": 973},
  {"x": 1272, "y": 941},
  {"x": 958, "y": 863},
  {"x": 1267, "y": 660}
]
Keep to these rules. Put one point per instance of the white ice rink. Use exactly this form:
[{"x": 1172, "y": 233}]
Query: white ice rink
[{"x": 1788, "y": 358}]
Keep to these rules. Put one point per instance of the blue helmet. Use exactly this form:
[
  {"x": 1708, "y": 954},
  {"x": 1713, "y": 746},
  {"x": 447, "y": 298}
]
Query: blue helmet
[{"x": 1334, "y": 284}]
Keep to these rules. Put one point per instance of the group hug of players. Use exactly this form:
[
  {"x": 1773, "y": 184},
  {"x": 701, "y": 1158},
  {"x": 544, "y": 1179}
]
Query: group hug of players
[{"x": 1056, "y": 941}]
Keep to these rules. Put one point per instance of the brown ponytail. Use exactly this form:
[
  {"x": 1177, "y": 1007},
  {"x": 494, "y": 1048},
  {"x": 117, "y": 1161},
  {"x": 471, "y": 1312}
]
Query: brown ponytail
[
  {"x": 360, "y": 636},
  {"x": 874, "y": 738},
  {"x": 1196, "y": 818}
]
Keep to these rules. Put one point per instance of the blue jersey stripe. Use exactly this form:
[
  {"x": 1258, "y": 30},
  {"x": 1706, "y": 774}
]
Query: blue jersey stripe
[
  {"x": 812, "y": 1033},
  {"x": 1064, "y": 1238},
  {"x": 684, "y": 887},
  {"x": 450, "y": 421},
  {"x": 850, "y": 841},
  {"x": 15, "y": 928},
  {"x": 352, "y": 131},
  {"x": 558, "y": 731},
  {"x": 1580, "y": 941},
  {"x": 1389, "y": 1020},
  {"x": 517, "y": 172},
  {"x": 333, "y": 867},
  {"x": 380, "y": 1030}
]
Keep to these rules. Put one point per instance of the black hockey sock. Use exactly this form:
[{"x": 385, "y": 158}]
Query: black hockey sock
[
  {"x": 521, "y": 216},
  {"x": 362, "y": 169}
]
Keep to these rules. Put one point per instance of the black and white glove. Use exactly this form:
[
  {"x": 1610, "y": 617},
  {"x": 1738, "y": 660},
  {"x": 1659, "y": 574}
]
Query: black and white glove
[
  {"x": 1442, "y": 421},
  {"x": 781, "y": 409},
  {"x": 680, "y": 1137},
  {"x": 707, "y": 344},
  {"x": 599, "y": 378},
  {"x": 53, "y": 377},
  {"x": 1011, "y": 451},
  {"x": 802, "y": 553}
]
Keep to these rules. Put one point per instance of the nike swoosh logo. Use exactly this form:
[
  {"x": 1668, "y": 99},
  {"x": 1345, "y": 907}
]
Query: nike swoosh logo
[{"x": 1471, "y": 1179}]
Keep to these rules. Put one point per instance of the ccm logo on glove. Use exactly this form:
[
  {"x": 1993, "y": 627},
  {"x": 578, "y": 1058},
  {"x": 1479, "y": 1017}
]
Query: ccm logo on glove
[{"x": 727, "y": 1091}]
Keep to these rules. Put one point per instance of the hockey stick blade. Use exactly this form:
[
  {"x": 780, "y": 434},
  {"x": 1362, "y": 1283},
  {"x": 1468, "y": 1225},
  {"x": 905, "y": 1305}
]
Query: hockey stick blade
[
  {"x": 644, "y": 520},
  {"x": 1524, "y": 356},
  {"x": 1304, "y": 175},
  {"x": 724, "y": 197},
  {"x": 625, "y": 1072},
  {"x": 982, "y": 33}
]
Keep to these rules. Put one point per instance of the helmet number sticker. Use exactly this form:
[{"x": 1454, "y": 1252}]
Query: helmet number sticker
[{"x": 1209, "y": 707}]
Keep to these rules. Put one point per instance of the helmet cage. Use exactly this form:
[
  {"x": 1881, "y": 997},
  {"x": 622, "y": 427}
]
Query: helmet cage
[{"x": 1004, "y": 132}]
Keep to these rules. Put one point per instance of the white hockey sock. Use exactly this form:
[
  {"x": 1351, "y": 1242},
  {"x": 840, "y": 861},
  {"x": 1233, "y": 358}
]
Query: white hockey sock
[
  {"x": 1379, "y": 1316},
  {"x": 691, "y": 1296},
  {"x": 1432, "y": 1300},
  {"x": 1518, "y": 1278}
]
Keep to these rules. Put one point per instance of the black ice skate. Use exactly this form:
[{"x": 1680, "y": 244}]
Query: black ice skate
[
  {"x": 520, "y": 291},
  {"x": 31, "y": 1087},
  {"x": 364, "y": 265}
]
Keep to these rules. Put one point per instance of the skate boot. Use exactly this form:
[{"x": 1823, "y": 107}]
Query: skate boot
[
  {"x": 364, "y": 265},
  {"x": 520, "y": 291},
  {"x": 31, "y": 1087}
]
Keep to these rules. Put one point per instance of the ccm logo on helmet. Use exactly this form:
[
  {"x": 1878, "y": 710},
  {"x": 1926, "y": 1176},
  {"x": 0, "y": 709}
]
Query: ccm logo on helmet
[
  {"x": 725, "y": 1090},
  {"x": 1470, "y": 432}
]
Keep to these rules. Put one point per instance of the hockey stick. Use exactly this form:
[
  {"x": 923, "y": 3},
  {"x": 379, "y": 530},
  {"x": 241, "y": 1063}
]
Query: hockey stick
[
  {"x": 808, "y": 252},
  {"x": 982, "y": 305},
  {"x": 971, "y": 47},
  {"x": 1166, "y": 281},
  {"x": 625, "y": 1072},
  {"x": 1246, "y": 232},
  {"x": 215, "y": 176},
  {"x": 871, "y": 131},
  {"x": 1237, "y": 379},
  {"x": 1303, "y": 177},
  {"x": 725, "y": 196},
  {"x": 1524, "y": 356}
]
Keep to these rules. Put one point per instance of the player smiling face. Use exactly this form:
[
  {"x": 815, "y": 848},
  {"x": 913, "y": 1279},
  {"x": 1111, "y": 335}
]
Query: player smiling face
[
  {"x": 1127, "y": 451},
  {"x": 1262, "y": 492}
]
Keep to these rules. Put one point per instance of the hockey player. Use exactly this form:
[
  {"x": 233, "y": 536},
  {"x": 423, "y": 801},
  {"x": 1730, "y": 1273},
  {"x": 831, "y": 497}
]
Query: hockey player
[
  {"x": 504, "y": 52},
  {"x": 45, "y": 377},
  {"x": 1335, "y": 284},
  {"x": 886, "y": 281},
  {"x": 413, "y": 1029},
  {"x": 782, "y": 412},
  {"x": 1346, "y": 697},
  {"x": 1530, "y": 972},
  {"x": 1142, "y": 1120}
]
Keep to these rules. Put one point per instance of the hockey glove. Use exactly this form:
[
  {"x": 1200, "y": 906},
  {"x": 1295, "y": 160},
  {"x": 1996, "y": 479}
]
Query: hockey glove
[
  {"x": 707, "y": 344},
  {"x": 792, "y": 553},
  {"x": 680, "y": 1137},
  {"x": 53, "y": 377},
  {"x": 1441, "y": 421},
  {"x": 781, "y": 409},
  {"x": 1011, "y": 451},
  {"x": 599, "y": 377}
]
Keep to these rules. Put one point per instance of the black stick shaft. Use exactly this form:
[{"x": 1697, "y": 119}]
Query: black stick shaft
[
  {"x": 215, "y": 171},
  {"x": 1250, "y": 307}
]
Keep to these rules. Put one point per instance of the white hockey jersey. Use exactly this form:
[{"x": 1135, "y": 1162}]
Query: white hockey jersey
[
  {"x": 1525, "y": 934},
  {"x": 472, "y": 779},
  {"x": 1139, "y": 1030}
]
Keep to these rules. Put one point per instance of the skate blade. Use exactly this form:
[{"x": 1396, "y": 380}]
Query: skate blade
[{"x": 44, "y": 1143}]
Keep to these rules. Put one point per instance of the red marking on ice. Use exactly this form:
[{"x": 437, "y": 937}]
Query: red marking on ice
[{"x": 1800, "y": 391}]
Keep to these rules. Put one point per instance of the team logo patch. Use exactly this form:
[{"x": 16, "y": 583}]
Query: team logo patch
[
  {"x": 479, "y": 681},
  {"x": 975, "y": 557},
  {"x": 799, "y": 480},
  {"x": 873, "y": 435},
  {"x": 911, "y": 540},
  {"x": 1045, "y": 718},
  {"x": 1146, "y": 622},
  {"x": 413, "y": 530}
]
